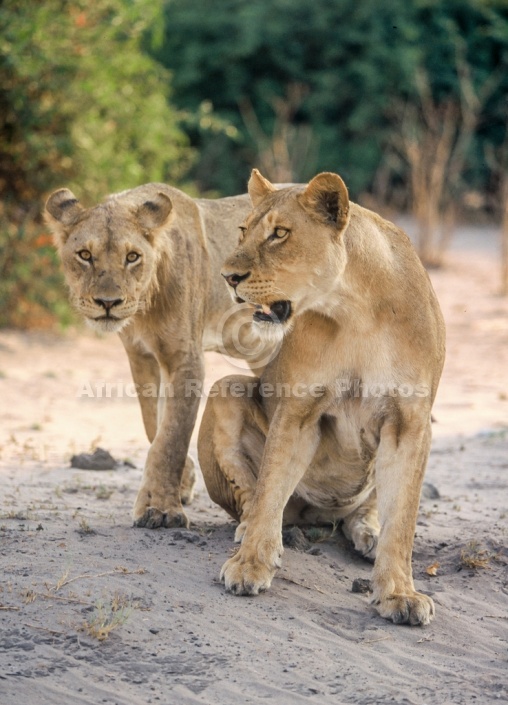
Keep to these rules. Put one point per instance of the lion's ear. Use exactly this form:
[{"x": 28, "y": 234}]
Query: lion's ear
[
  {"x": 62, "y": 209},
  {"x": 155, "y": 212},
  {"x": 259, "y": 187},
  {"x": 327, "y": 197}
]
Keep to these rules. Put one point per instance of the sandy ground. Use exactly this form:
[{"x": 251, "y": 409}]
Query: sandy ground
[{"x": 73, "y": 571}]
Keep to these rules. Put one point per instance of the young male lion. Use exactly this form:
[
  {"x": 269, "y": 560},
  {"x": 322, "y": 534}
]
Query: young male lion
[
  {"x": 145, "y": 263},
  {"x": 337, "y": 427}
]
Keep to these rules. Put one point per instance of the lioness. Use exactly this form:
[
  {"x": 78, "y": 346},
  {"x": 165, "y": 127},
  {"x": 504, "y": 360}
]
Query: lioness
[
  {"x": 337, "y": 427},
  {"x": 145, "y": 263}
]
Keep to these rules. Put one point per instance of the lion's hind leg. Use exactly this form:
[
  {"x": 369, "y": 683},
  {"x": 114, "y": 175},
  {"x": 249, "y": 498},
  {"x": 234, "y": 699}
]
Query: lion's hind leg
[
  {"x": 400, "y": 467},
  {"x": 230, "y": 446},
  {"x": 188, "y": 482},
  {"x": 362, "y": 528}
]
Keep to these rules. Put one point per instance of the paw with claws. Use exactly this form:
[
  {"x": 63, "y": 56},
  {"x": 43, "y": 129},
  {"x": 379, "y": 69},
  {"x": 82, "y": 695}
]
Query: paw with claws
[
  {"x": 153, "y": 518},
  {"x": 414, "y": 609},
  {"x": 364, "y": 538},
  {"x": 156, "y": 508},
  {"x": 250, "y": 571},
  {"x": 155, "y": 511}
]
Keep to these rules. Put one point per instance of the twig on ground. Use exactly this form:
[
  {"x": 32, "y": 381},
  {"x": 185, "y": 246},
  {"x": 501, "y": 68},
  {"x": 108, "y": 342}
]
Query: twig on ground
[
  {"x": 373, "y": 641},
  {"x": 64, "y": 581},
  {"x": 44, "y": 629},
  {"x": 307, "y": 587},
  {"x": 49, "y": 596},
  {"x": 496, "y": 616}
]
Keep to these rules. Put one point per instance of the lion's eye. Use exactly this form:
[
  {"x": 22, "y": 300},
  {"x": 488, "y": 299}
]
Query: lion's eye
[
  {"x": 279, "y": 234},
  {"x": 85, "y": 255},
  {"x": 132, "y": 257},
  {"x": 242, "y": 230}
]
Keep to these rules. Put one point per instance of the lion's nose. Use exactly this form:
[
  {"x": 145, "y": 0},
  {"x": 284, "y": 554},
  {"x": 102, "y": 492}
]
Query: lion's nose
[
  {"x": 108, "y": 303},
  {"x": 234, "y": 279}
]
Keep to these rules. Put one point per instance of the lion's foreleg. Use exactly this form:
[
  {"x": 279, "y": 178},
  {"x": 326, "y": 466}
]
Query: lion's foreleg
[
  {"x": 400, "y": 466},
  {"x": 146, "y": 376},
  {"x": 289, "y": 449},
  {"x": 159, "y": 499}
]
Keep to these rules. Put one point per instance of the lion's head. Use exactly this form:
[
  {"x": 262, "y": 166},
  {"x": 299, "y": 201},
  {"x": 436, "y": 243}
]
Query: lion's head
[
  {"x": 291, "y": 251},
  {"x": 110, "y": 252}
]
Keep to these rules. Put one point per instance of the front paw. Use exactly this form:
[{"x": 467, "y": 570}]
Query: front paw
[
  {"x": 414, "y": 608},
  {"x": 247, "y": 574},
  {"x": 151, "y": 512},
  {"x": 153, "y": 518}
]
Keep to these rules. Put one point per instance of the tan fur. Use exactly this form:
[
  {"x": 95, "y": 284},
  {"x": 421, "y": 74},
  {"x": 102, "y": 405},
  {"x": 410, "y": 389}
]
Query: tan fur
[
  {"x": 167, "y": 306},
  {"x": 337, "y": 427}
]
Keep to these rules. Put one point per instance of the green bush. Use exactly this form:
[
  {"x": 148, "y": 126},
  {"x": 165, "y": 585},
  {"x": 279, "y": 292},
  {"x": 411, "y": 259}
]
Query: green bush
[
  {"x": 81, "y": 105},
  {"x": 354, "y": 64},
  {"x": 32, "y": 291}
]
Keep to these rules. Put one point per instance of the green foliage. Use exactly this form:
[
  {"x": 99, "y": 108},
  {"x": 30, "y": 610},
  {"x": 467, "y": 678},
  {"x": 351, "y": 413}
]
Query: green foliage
[
  {"x": 81, "y": 105},
  {"x": 32, "y": 292},
  {"x": 292, "y": 86},
  {"x": 345, "y": 56},
  {"x": 81, "y": 102},
  {"x": 354, "y": 62},
  {"x": 463, "y": 48}
]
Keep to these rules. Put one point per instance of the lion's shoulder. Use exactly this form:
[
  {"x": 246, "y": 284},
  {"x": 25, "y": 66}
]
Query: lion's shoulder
[{"x": 374, "y": 243}]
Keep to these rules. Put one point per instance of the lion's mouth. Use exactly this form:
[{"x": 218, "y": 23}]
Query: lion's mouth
[
  {"x": 106, "y": 317},
  {"x": 278, "y": 312},
  {"x": 107, "y": 323}
]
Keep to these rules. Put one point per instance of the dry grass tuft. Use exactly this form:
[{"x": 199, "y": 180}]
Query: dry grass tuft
[
  {"x": 473, "y": 556},
  {"x": 103, "y": 492},
  {"x": 106, "y": 618},
  {"x": 85, "y": 529}
]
